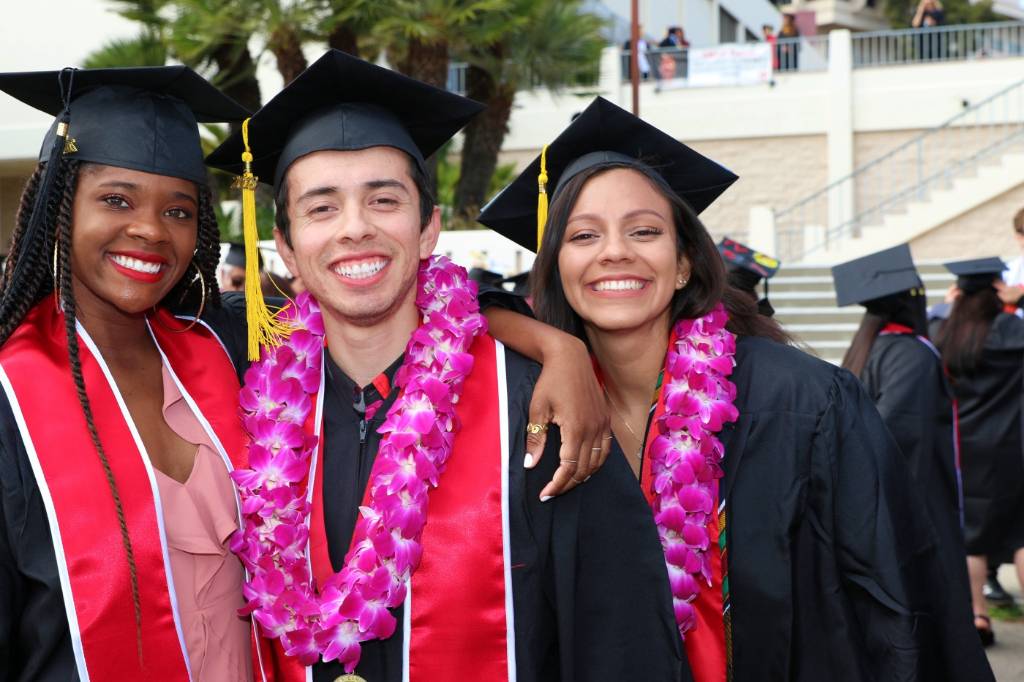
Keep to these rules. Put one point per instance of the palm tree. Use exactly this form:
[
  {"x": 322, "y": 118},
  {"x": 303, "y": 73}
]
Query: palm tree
[
  {"x": 143, "y": 50},
  {"x": 347, "y": 25},
  {"x": 419, "y": 36},
  {"x": 146, "y": 49},
  {"x": 214, "y": 35},
  {"x": 545, "y": 43}
]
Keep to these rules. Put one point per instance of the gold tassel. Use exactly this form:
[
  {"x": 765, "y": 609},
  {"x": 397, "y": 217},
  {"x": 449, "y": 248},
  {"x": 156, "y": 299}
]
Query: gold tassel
[
  {"x": 265, "y": 328},
  {"x": 542, "y": 196}
]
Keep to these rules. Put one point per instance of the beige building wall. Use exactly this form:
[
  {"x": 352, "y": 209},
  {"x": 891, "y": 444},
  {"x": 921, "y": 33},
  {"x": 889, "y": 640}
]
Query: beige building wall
[
  {"x": 10, "y": 198},
  {"x": 773, "y": 171},
  {"x": 779, "y": 171},
  {"x": 984, "y": 231}
]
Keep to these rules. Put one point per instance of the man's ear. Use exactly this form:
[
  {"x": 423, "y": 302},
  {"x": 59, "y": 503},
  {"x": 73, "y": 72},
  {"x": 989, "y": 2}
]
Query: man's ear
[
  {"x": 430, "y": 233},
  {"x": 285, "y": 252}
]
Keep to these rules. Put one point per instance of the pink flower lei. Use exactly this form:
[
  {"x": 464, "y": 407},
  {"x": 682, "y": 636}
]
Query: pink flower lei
[
  {"x": 352, "y": 606},
  {"x": 686, "y": 455}
]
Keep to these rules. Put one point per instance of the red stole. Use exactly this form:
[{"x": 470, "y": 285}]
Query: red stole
[
  {"x": 458, "y": 615},
  {"x": 705, "y": 643},
  {"x": 94, "y": 575}
]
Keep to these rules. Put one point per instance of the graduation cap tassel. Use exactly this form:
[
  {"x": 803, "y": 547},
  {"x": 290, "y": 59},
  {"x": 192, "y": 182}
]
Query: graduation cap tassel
[
  {"x": 542, "y": 196},
  {"x": 265, "y": 328}
]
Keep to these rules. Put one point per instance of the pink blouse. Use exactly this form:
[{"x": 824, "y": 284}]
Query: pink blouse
[{"x": 199, "y": 517}]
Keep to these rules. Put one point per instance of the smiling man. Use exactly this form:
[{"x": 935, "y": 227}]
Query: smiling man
[{"x": 503, "y": 586}]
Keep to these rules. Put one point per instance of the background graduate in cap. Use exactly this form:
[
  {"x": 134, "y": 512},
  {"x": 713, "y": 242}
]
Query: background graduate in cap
[
  {"x": 505, "y": 584},
  {"x": 818, "y": 558},
  {"x": 983, "y": 349},
  {"x": 118, "y": 421},
  {"x": 903, "y": 373},
  {"x": 747, "y": 268}
]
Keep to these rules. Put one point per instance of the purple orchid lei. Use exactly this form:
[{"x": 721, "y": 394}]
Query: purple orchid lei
[
  {"x": 686, "y": 456},
  {"x": 352, "y": 605}
]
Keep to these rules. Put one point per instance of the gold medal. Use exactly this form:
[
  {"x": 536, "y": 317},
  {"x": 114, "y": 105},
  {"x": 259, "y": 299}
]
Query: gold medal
[{"x": 350, "y": 678}]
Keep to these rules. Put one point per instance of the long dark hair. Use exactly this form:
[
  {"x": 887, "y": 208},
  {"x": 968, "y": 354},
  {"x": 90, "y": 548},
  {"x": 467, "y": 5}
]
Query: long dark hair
[
  {"x": 961, "y": 338},
  {"x": 708, "y": 280},
  {"x": 908, "y": 308},
  {"x": 44, "y": 270}
]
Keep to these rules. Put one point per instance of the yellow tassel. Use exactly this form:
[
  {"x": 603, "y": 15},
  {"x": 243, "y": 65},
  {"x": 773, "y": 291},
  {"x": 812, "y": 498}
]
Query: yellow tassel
[
  {"x": 265, "y": 328},
  {"x": 542, "y": 196}
]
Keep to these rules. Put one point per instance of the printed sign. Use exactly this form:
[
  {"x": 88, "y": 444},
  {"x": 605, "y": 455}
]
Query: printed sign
[{"x": 734, "y": 64}]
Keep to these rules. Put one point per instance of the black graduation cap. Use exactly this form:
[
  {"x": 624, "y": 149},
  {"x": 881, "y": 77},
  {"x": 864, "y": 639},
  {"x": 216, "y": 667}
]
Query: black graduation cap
[
  {"x": 343, "y": 103},
  {"x": 876, "y": 275},
  {"x": 520, "y": 283},
  {"x": 484, "y": 276},
  {"x": 740, "y": 256},
  {"x": 976, "y": 274},
  {"x": 235, "y": 255},
  {"x": 603, "y": 134},
  {"x": 139, "y": 118}
]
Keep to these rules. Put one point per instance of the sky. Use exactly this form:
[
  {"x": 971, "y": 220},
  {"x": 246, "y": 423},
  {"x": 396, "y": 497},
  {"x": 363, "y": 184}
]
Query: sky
[{"x": 51, "y": 34}]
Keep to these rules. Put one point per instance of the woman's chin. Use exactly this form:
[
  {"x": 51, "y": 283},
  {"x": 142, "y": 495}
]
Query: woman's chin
[{"x": 617, "y": 324}]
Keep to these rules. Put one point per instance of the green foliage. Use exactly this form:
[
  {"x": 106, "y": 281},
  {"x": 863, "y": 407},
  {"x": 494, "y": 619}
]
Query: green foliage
[
  {"x": 448, "y": 177},
  {"x": 540, "y": 43},
  {"x": 144, "y": 50},
  {"x": 1011, "y": 613},
  {"x": 519, "y": 43},
  {"x": 435, "y": 21},
  {"x": 900, "y": 13}
]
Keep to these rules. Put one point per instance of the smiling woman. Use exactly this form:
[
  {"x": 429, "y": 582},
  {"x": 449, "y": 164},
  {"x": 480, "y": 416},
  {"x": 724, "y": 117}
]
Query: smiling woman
[
  {"x": 103, "y": 389},
  {"x": 795, "y": 545}
]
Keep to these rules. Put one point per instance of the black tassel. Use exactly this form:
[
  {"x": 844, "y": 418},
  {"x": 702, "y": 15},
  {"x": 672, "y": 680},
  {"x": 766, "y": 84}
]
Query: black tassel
[{"x": 36, "y": 231}]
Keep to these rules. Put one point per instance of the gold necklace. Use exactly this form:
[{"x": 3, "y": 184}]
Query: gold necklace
[{"x": 639, "y": 453}]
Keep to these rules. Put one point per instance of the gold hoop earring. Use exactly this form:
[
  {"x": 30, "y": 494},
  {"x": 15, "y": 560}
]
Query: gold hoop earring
[
  {"x": 56, "y": 288},
  {"x": 202, "y": 306}
]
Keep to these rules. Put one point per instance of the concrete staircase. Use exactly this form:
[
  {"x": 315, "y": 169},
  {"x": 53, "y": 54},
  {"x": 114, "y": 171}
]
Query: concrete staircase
[
  {"x": 805, "y": 304},
  {"x": 944, "y": 202}
]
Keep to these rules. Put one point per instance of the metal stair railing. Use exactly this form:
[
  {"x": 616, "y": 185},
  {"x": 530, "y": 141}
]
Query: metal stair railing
[
  {"x": 930, "y": 160},
  {"x": 938, "y": 43}
]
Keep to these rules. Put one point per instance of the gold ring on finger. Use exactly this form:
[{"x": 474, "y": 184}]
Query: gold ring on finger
[{"x": 534, "y": 429}]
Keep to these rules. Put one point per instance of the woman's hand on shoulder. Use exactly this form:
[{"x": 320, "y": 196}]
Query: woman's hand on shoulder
[{"x": 567, "y": 394}]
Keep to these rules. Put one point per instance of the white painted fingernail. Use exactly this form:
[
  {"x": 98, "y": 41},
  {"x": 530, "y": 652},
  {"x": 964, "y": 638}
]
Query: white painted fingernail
[
  {"x": 545, "y": 498},
  {"x": 528, "y": 461}
]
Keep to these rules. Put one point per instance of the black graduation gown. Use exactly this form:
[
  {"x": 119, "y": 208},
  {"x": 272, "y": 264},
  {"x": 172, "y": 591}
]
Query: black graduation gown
[
  {"x": 590, "y": 588},
  {"x": 35, "y": 643},
  {"x": 992, "y": 449},
  {"x": 831, "y": 559},
  {"x": 905, "y": 379}
]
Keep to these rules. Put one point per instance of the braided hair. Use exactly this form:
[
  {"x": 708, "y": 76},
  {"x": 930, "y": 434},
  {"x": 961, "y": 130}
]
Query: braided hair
[{"x": 49, "y": 268}]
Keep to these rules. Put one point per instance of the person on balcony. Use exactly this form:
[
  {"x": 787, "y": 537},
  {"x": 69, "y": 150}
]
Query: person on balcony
[
  {"x": 642, "y": 64},
  {"x": 929, "y": 43},
  {"x": 789, "y": 50}
]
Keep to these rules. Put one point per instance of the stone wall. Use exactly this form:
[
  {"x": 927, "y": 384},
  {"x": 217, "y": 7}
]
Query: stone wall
[
  {"x": 10, "y": 197},
  {"x": 983, "y": 231},
  {"x": 773, "y": 171}
]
